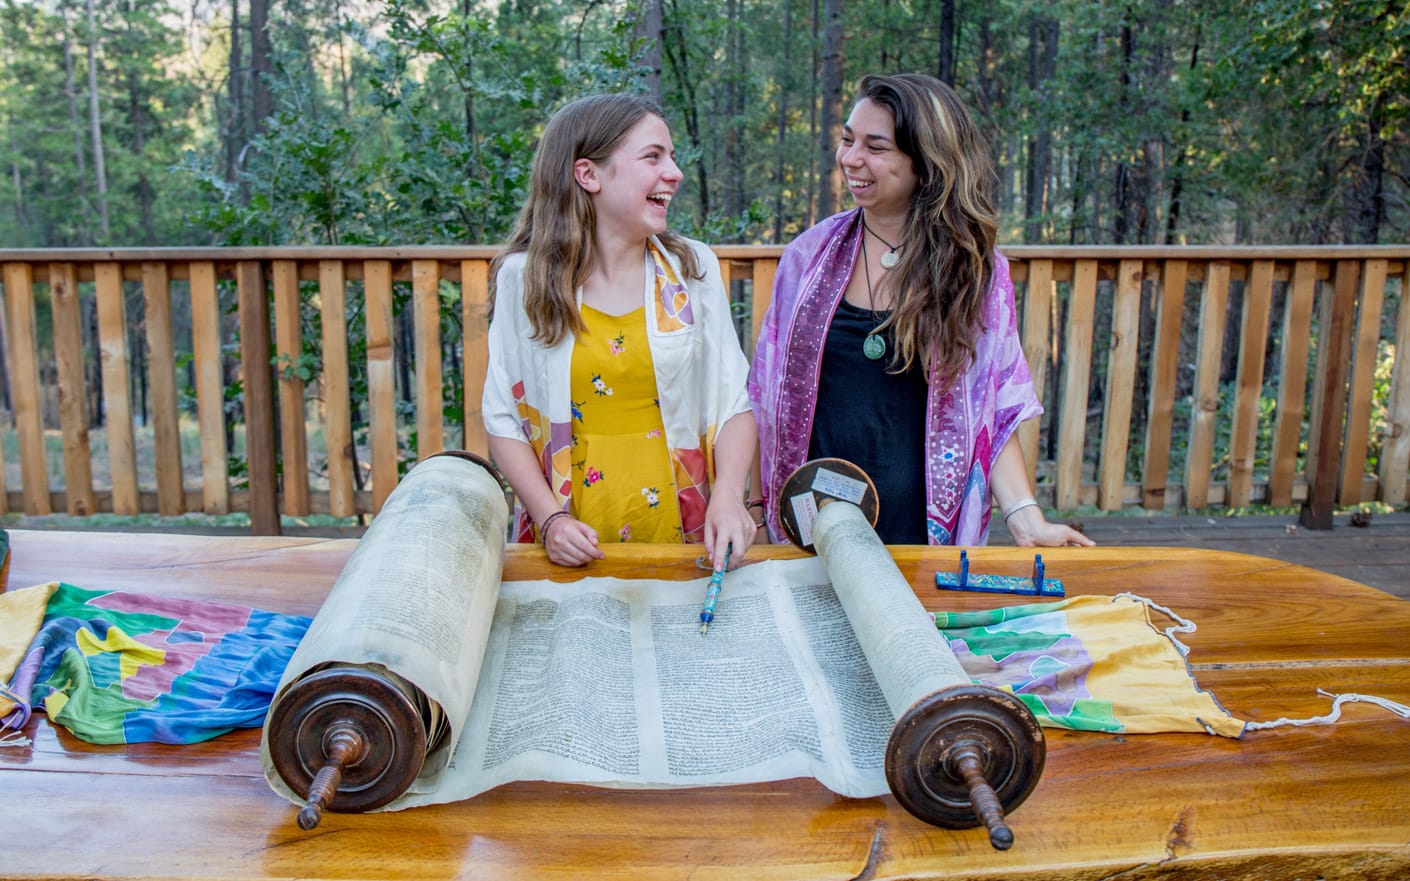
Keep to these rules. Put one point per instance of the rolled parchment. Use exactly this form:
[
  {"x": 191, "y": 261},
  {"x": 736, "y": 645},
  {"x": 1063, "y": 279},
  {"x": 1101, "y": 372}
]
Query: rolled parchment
[
  {"x": 377, "y": 690},
  {"x": 960, "y": 754}
]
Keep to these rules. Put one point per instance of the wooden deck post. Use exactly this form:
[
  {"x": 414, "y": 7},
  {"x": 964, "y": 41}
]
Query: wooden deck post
[
  {"x": 24, "y": 383},
  {"x": 161, "y": 373},
  {"x": 259, "y": 398},
  {"x": 73, "y": 392},
  {"x": 474, "y": 305},
  {"x": 1338, "y": 312}
]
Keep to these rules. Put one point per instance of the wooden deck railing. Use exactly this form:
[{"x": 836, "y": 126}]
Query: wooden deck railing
[{"x": 1155, "y": 366}]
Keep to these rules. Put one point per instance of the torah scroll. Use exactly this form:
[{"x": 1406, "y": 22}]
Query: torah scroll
[{"x": 456, "y": 683}]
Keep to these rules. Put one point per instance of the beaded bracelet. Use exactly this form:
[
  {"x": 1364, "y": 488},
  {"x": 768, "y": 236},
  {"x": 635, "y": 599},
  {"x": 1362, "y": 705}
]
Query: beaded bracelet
[{"x": 543, "y": 527}]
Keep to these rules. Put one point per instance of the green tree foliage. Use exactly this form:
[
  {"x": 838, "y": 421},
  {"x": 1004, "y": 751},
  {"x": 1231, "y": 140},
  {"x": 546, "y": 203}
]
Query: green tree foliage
[
  {"x": 37, "y": 146},
  {"x": 414, "y": 121},
  {"x": 147, "y": 110},
  {"x": 1315, "y": 101}
]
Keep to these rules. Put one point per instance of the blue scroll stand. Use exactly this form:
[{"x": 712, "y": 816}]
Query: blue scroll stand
[{"x": 1035, "y": 585}]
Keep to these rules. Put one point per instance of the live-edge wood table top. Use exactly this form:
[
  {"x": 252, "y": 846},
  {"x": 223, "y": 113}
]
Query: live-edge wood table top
[{"x": 1320, "y": 802}]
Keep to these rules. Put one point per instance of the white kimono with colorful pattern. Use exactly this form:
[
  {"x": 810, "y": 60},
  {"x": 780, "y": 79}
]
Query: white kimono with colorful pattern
[{"x": 701, "y": 378}]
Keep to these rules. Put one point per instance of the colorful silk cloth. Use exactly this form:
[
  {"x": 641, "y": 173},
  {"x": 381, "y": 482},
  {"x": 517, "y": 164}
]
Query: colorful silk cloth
[
  {"x": 117, "y": 667},
  {"x": 967, "y": 424},
  {"x": 701, "y": 375},
  {"x": 1090, "y": 663}
]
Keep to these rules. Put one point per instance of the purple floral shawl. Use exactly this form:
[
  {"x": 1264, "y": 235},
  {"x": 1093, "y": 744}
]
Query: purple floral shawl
[{"x": 966, "y": 425}]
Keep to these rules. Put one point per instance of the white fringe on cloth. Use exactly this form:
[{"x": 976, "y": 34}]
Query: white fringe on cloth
[
  {"x": 1337, "y": 700},
  {"x": 1184, "y": 625}
]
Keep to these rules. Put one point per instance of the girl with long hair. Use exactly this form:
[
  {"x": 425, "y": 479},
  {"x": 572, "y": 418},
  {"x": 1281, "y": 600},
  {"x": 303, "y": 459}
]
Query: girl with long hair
[{"x": 615, "y": 401}]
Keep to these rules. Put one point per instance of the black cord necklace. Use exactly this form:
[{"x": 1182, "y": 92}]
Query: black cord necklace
[
  {"x": 874, "y": 346},
  {"x": 890, "y": 258}
]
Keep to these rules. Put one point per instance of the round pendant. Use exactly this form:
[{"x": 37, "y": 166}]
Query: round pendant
[
  {"x": 874, "y": 346},
  {"x": 890, "y": 259}
]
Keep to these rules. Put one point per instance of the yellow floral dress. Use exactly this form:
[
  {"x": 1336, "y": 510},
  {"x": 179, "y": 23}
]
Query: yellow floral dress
[{"x": 623, "y": 484}]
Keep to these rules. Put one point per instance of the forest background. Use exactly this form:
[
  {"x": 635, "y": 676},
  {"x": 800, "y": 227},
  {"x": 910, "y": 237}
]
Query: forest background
[{"x": 271, "y": 122}]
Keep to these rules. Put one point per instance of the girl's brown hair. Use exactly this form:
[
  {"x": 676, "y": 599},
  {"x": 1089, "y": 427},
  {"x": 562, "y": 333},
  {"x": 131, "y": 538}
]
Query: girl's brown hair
[
  {"x": 947, "y": 259},
  {"x": 555, "y": 227}
]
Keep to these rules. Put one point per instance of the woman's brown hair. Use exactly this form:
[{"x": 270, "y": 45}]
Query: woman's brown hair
[
  {"x": 947, "y": 259},
  {"x": 555, "y": 227}
]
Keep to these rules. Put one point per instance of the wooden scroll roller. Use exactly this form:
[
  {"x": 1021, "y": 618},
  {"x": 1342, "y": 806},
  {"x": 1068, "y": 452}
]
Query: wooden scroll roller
[
  {"x": 961, "y": 755},
  {"x": 344, "y": 732}
]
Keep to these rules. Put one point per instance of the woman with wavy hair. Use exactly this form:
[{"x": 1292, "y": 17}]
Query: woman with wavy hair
[
  {"x": 891, "y": 339},
  {"x": 615, "y": 401}
]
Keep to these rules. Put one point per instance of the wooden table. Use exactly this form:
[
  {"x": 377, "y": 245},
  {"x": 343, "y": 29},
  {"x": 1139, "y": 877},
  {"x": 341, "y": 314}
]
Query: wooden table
[{"x": 1324, "y": 802}]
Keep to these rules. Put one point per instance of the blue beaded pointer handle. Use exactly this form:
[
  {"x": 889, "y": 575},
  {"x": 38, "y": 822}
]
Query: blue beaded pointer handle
[{"x": 712, "y": 593}]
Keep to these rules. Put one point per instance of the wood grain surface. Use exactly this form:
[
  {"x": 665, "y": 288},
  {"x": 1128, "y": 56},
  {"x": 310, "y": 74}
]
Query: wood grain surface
[{"x": 1321, "y": 802}]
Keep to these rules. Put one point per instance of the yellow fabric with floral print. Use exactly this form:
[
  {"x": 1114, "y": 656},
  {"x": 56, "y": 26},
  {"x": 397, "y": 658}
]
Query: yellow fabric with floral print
[{"x": 622, "y": 477}]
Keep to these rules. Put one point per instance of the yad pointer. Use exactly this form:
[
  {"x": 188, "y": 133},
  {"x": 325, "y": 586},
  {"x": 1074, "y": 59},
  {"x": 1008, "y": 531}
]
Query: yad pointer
[{"x": 712, "y": 593}]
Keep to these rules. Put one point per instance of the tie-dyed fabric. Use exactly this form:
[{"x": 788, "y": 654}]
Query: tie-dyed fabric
[
  {"x": 117, "y": 667},
  {"x": 1090, "y": 663}
]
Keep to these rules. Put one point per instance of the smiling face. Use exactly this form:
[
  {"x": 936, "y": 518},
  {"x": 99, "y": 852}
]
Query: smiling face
[
  {"x": 632, "y": 189},
  {"x": 880, "y": 177}
]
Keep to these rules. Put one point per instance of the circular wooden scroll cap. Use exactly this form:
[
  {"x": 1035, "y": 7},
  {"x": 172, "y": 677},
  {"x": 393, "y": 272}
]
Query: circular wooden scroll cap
[
  {"x": 967, "y": 722},
  {"x": 800, "y": 482},
  {"x": 348, "y": 700}
]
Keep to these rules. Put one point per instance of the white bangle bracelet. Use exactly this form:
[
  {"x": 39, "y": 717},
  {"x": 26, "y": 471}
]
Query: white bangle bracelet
[{"x": 1019, "y": 505}]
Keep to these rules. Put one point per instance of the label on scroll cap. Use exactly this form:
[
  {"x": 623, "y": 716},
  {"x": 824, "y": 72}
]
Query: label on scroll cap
[
  {"x": 805, "y": 510},
  {"x": 839, "y": 486}
]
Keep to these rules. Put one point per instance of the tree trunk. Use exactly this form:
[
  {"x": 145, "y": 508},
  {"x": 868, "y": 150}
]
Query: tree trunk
[
  {"x": 984, "y": 90},
  {"x": 1079, "y": 181},
  {"x": 475, "y": 226},
  {"x": 16, "y": 179},
  {"x": 1042, "y": 68},
  {"x": 95, "y": 127},
  {"x": 946, "y": 72},
  {"x": 1177, "y": 173},
  {"x": 146, "y": 193},
  {"x": 831, "y": 112},
  {"x": 1121, "y": 177},
  {"x": 404, "y": 349},
  {"x": 342, "y": 58},
  {"x": 816, "y": 68},
  {"x": 648, "y": 30},
  {"x": 734, "y": 61},
  {"x": 1367, "y": 193},
  {"x": 137, "y": 345},
  {"x": 235, "y": 133},
  {"x": 92, "y": 361},
  {"x": 678, "y": 56},
  {"x": 261, "y": 66},
  {"x": 1147, "y": 183},
  {"x": 731, "y": 133},
  {"x": 781, "y": 138},
  {"x": 80, "y": 159}
]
